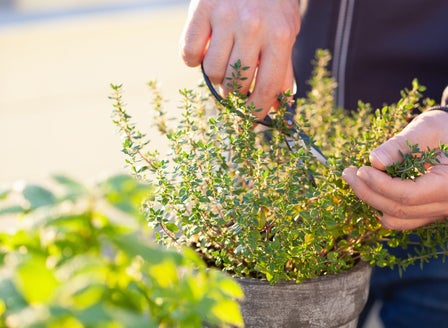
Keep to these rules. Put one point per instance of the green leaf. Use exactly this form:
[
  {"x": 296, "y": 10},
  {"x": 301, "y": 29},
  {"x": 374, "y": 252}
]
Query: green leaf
[
  {"x": 35, "y": 280},
  {"x": 4, "y": 193},
  {"x": 165, "y": 273},
  {"x": 15, "y": 209},
  {"x": 132, "y": 245},
  {"x": 192, "y": 258},
  {"x": 95, "y": 315},
  {"x": 229, "y": 286},
  {"x": 38, "y": 196},
  {"x": 228, "y": 311},
  {"x": 172, "y": 227},
  {"x": 89, "y": 295},
  {"x": 73, "y": 187},
  {"x": 126, "y": 193},
  {"x": 131, "y": 318},
  {"x": 9, "y": 292}
]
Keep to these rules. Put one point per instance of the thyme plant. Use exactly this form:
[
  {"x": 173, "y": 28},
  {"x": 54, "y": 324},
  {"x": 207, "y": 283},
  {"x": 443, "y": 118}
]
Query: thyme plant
[
  {"x": 245, "y": 203},
  {"x": 416, "y": 162}
]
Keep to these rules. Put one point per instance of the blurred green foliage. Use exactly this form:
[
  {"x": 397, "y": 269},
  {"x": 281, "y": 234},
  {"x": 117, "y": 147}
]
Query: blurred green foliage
[{"x": 78, "y": 256}]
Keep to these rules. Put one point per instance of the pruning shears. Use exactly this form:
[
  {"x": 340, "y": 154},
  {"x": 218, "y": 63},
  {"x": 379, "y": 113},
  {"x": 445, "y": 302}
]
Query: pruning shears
[{"x": 290, "y": 132}]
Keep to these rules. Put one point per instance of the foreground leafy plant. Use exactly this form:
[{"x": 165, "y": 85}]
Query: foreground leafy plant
[
  {"x": 81, "y": 257},
  {"x": 245, "y": 203}
]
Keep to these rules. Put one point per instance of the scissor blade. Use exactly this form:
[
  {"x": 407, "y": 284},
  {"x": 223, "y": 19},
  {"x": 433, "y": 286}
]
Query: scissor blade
[{"x": 303, "y": 141}]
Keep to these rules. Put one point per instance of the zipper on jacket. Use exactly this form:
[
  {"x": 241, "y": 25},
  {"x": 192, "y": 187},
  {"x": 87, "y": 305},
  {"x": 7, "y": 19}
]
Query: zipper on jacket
[{"x": 340, "y": 51}]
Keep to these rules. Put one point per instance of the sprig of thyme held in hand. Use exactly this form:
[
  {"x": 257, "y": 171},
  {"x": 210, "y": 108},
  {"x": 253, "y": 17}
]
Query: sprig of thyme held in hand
[{"x": 416, "y": 162}]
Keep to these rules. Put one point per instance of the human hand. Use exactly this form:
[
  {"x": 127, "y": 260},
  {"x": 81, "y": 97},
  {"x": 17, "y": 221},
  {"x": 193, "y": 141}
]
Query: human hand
[
  {"x": 259, "y": 33},
  {"x": 406, "y": 204}
]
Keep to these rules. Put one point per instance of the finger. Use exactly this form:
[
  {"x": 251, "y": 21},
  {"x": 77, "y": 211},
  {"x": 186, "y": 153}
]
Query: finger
[
  {"x": 394, "y": 223},
  {"x": 390, "y": 207},
  {"x": 270, "y": 80},
  {"x": 289, "y": 78},
  {"x": 246, "y": 50},
  {"x": 426, "y": 130},
  {"x": 248, "y": 54},
  {"x": 443, "y": 160},
  {"x": 196, "y": 33},
  {"x": 428, "y": 188},
  {"x": 216, "y": 60},
  {"x": 389, "y": 152}
]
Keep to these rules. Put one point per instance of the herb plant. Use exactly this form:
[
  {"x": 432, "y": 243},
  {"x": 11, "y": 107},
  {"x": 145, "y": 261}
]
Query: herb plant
[
  {"x": 416, "y": 162},
  {"x": 82, "y": 257},
  {"x": 245, "y": 203}
]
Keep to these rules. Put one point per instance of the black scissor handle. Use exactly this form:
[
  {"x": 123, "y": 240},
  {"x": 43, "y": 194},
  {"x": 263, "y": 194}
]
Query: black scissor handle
[{"x": 267, "y": 121}]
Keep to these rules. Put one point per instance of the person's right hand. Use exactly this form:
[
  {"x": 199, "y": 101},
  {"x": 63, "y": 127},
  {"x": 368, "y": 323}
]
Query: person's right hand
[{"x": 259, "y": 33}]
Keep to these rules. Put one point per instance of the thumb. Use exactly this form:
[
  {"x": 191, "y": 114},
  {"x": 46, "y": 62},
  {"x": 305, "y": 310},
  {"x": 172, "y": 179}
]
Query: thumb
[
  {"x": 389, "y": 152},
  {"x": 426, "y": 130}
]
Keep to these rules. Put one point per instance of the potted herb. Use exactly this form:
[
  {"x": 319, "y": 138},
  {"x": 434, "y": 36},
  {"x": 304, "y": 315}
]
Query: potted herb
[
  {"x": 253, "y": 208},
  {"x": 78, "y": 256}
]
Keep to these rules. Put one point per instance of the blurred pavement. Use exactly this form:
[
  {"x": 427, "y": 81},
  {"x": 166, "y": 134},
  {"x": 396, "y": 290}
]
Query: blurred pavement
[{"x": 55, "y": 115}]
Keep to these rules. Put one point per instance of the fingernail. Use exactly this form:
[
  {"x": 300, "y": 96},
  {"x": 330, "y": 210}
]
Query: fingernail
[
  {"x": 362, "y": 173},
  {"x": 347, "y": 174},
  {"x": 379, "y": 158}
]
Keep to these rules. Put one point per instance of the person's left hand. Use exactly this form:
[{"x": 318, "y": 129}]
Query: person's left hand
[{"x": 406, "y": 204}]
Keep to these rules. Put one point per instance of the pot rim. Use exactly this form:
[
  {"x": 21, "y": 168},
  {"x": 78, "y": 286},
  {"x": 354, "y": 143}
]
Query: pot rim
[{"x": 360, "y": 266}]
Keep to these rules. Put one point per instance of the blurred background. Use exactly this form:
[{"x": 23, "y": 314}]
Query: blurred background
[{"x": 57, "y": 59}]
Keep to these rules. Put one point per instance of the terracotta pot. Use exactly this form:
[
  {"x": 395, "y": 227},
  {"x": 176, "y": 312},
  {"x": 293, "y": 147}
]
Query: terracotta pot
[{"x": 330, "y": 301}]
